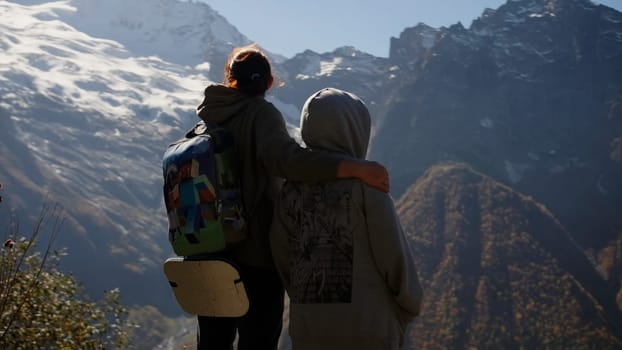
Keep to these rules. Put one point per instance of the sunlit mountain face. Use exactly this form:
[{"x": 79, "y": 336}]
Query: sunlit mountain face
[
  {"x": 499, "y": 270},
  {"x": 91, "y": 97}
]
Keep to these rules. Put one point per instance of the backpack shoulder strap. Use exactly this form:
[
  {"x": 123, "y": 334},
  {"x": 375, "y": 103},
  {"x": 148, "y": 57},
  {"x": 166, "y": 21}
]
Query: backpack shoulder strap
[{"x": 200, "y": 128}]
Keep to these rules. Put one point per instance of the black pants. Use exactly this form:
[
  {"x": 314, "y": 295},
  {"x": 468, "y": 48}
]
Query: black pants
[{"x": 260, "y": 328}]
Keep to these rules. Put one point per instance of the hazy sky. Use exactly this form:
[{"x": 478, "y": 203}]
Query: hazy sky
[{"x": 288, "y": 27}]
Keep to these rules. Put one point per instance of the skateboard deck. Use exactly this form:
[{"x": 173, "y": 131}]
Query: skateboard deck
[{"x": 207, "y": 287}]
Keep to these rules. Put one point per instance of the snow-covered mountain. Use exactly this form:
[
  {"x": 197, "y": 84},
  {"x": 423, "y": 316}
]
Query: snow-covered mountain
[
  {"x": 345, "y": 68},
  {"x": 85, "y": 120},
  {"x": 185, "y": 33}
]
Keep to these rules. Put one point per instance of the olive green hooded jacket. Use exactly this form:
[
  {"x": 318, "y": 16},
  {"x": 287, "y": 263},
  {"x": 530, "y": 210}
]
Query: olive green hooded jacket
[{"x": 265, "y": 152}]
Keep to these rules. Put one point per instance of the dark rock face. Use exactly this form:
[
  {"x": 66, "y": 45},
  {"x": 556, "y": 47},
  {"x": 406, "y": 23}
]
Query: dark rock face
[{"x": 530, "y": 95}]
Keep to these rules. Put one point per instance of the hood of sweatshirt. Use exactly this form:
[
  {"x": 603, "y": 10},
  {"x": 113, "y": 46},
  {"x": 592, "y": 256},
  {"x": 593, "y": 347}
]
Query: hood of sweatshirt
[
  {"x": 336, "y": 120},
  {"x": 221, "y": 102}
]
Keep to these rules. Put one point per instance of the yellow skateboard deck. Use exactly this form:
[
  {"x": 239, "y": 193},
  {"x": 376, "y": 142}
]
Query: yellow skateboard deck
[{"x": 207, "y": 287}]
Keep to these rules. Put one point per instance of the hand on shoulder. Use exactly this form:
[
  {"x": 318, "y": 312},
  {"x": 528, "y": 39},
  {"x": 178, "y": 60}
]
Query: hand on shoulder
[{"x": 372, "y": 173}]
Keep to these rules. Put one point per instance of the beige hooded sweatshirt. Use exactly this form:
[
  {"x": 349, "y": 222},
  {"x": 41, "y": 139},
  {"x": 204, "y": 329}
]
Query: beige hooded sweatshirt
[{"x": 338, "y": 245}]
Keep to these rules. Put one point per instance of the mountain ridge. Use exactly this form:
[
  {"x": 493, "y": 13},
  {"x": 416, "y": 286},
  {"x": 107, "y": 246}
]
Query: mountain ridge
[
  {"x": 540, "y": 113},
  {"x": 186, "y": 33},
  {"x": 485, "y": 255}
]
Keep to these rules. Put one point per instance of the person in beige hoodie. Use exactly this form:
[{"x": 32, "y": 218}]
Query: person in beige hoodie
[{"x": 338, "y": 244}]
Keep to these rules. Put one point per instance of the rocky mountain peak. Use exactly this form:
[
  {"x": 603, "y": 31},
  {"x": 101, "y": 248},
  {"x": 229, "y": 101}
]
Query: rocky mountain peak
[
  {"x": 534, "y": 76},
  {"x": 413, "y": 43},
  {"x": 187, "y": 33},
  {"x": 515, "y": 13}
]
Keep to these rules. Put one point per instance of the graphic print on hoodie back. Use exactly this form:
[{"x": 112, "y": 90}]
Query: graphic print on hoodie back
[{"x": 322, "y": 269}]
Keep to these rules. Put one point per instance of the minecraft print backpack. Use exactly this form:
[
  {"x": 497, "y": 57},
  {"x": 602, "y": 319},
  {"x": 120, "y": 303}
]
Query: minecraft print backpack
[{"x": 202, "y": 192}]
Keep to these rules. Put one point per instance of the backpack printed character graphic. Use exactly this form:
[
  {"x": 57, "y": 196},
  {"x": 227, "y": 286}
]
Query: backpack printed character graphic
[{"x": 202, "y": 192}]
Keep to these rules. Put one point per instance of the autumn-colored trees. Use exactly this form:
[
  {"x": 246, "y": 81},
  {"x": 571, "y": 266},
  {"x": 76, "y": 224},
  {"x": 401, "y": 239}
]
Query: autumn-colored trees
[{"x": 42, "y": 307}]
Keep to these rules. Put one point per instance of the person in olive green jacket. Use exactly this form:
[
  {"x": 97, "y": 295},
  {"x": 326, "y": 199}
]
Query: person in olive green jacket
[
  {"x": 338, "y": 244},
  {"x": 265, "y": 153}
]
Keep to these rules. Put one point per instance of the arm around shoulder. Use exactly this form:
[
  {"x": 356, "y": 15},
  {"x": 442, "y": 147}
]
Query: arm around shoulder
[
  {"x": 282, "y": 156},
  {"x": 369, "y": 172}
]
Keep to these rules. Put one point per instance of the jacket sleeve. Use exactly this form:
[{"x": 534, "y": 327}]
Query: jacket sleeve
[
  {"x": 392, "y": 254},
  {"x": 283, "y": 157}
]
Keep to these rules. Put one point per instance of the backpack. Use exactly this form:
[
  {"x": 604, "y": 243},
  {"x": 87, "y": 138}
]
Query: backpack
[{"x": 202, "y": 192}]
